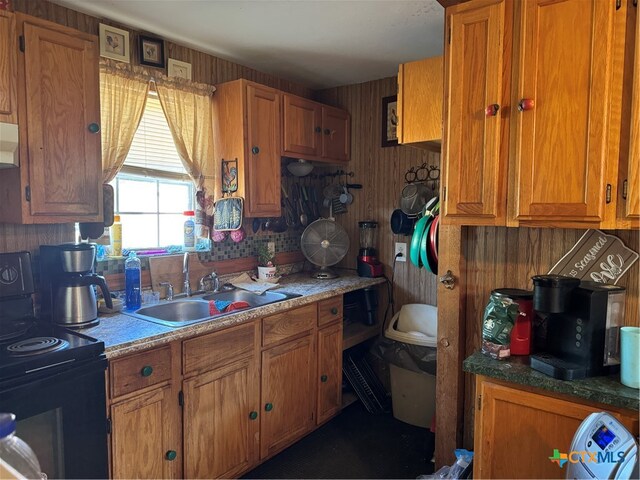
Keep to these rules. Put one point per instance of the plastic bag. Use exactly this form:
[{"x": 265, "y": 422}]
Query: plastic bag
[
  {"x": 416, "y": 358},
  {"x": 460, "y": 469},
  {"x": 499, "y": 318}
]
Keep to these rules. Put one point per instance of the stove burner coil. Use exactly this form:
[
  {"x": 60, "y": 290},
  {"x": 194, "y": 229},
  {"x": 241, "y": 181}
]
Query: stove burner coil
[{"x": 36, "y": 346}]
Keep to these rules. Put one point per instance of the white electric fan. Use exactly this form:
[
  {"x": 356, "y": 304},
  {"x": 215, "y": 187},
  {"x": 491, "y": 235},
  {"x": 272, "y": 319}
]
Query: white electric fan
[{"x": 324, "y": 243}]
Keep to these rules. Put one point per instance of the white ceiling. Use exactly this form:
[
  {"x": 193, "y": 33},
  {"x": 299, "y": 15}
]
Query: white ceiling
[{"x": 321, "y": 43}]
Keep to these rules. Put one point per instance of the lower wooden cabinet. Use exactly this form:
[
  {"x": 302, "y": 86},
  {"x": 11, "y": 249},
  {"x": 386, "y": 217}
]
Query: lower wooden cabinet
[
  {"x": 517, "y": 430},
  {"x": 221, "y": 421},
  {"x": 216, "y": 405},
  {"x": 329, "y": 378},
  {"x": 145, "y": 436},
  {"x": 288, "y": 374}
]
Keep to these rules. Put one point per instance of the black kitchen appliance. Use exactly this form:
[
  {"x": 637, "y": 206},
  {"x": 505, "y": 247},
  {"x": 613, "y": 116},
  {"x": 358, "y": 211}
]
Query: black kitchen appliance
[
  {"x": 66, "y": 279},
  {"x": 583, "y": 327},
  {"x": 52, "y": 379},
  {"x": 368, "y": 263}
]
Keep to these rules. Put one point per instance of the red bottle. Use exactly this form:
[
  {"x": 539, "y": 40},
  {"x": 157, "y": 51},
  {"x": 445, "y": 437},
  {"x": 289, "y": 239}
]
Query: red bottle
[{"x": 521, "y": 333}]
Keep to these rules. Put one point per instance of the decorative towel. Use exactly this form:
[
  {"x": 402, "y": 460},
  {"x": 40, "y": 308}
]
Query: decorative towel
[
  {"x": 217, "y": 307},
  {"x": 244, "y": 282}
]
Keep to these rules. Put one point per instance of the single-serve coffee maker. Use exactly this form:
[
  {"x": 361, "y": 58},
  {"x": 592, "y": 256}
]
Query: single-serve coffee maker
[
  {"x": 583, "y": 326},
  {"x": 66, "y": 285}
]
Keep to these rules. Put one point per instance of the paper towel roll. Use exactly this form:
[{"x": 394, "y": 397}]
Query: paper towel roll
[{"x": 630, "y": 356}]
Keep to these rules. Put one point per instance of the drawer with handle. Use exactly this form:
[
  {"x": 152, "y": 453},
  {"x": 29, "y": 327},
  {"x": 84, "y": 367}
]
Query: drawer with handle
[
  {"x": 329, "y": 311},
  {"x": 283, "y": 326},
  {"x": 140, "y": 371}
]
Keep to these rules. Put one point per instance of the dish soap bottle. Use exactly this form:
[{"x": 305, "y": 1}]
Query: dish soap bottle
[
  {"x": 116, "y": 237},
  {"x": 132, "y": 282},
  {"x": 190, "y": 231}
]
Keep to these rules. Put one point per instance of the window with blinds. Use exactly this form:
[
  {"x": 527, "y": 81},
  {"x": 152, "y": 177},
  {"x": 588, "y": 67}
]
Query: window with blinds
[{"x": 152, "y": 190}]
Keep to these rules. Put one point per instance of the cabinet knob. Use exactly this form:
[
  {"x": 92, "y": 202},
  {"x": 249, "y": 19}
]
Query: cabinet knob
[
  {"x": 171, "y": 455},
  {"x": 324, "y": 378},
  {"x": 526, "y": 104},
  {"x": 492, "y": 110},
  {"x": 318, "y": 130},
  {"x": 253, "y": 415},
  {"x": 268, "y": 407},
  {"x": 146, "y": 371},
  {"x": 334, "y": 311},
  {"x": 94, "y": 127},
  {"x": 448, "y": 280},
  {"x": 255, "y": 150}
]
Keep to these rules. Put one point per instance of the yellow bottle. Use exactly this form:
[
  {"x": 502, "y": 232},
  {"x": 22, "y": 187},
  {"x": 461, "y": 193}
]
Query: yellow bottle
[{"x": 116, "y": 237}]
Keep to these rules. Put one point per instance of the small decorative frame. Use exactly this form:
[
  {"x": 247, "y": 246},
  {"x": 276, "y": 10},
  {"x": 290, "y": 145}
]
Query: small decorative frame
[
  {"x": 151, "y": 51},
  {"x": 176, "y": 68},
  {"x": 390, "y": 121},
  {"x": 229, "y": 176},
  {"x": 114, "y": 43}
]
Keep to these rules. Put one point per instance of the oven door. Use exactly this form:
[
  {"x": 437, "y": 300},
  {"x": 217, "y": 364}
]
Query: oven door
[{"x": 61, "y": 414}]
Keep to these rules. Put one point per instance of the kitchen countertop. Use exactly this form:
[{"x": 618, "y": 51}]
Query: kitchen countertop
[
  {"x": 123, "y": 334},
  {"x": 607, "y": 389}
]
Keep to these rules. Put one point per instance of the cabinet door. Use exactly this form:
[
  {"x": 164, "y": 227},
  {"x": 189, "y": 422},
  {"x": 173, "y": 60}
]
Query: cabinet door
[
  {"x": 302, "y": 129},
  {"x": 336, "y": 134},
  {"x": 8, "y": 56},
  {"x": 262, "y": 193},
  {"x": 536, "y": 424},
  {"x": 62, "y": 119},
  {"x": 562, "y": 84},
  {"x": 288, "y": 394},
  {"x": 420, "y": 88},
  {"x": 475, "y": 169},
  {"x": 145, "y": 436},
  {"x": 221, "y": 421},
  {"x": 632, "y": 199},
  {"x": 329, "y": 378}
]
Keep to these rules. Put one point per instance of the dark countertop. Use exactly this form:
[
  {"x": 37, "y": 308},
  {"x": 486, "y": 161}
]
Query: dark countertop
[
  {"x": 123, "y": 334},
  {"x": 607, "y": 390}
]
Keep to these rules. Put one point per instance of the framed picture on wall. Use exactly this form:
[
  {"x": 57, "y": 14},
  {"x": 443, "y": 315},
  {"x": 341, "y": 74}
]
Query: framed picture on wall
[
  {"x": 114, "y": 43},
  {"x": 151, "y": 51},
  {"x": 390, "y": 121},
  {"x": 176, "y": 68}
]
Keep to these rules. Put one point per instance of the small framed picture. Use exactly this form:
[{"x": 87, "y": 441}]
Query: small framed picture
[
  {"x": 390, "y": 121},
  {"x": 114, "y": 43},
  {"x": 176, "y": 68},
  {"x": 151, "y": 51}
]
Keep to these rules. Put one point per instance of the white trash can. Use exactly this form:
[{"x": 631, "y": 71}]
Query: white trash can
[{"x": 413, "y": 394}]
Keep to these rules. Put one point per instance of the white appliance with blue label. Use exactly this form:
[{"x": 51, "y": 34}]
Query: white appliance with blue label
[{"x": 607, "y": 449}]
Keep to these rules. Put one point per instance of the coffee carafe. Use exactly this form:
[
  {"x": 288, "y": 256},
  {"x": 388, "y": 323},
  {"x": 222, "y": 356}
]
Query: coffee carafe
[{"x": 67, "y": 278}]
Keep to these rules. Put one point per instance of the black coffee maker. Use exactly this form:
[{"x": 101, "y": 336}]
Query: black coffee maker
[{"x": 583, "y": 327}]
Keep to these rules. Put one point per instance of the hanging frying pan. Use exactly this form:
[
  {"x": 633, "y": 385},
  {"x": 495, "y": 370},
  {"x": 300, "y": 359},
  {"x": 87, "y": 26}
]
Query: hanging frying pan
[{"x": 433, "y": 238}]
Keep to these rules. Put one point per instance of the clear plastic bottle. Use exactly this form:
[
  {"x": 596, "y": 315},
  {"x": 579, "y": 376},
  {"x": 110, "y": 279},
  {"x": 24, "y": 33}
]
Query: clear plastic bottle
[
  {"x": 189, "y": 231},
  {"x": 132, "y": 282},
  {"x": 15, "y": 452}
]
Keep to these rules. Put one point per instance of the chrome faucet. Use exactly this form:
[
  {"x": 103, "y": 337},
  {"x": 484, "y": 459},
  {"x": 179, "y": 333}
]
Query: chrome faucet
[
  {"x": 169, "y": 287},
  {"x": 215, "y": 283},
  {"x": 186, "y": 286}
]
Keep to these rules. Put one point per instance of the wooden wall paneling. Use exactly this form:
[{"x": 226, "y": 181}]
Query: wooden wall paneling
[{"x": 14, "y": 237}]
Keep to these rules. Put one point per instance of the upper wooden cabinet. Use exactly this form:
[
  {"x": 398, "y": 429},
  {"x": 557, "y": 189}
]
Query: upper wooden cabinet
[
  {"x": 561, "y": 95},
  {"x": 475, "y": 163},
  {"x": 302, "y": 126},
  {"x": 533, "y": 95},
  {"x": 314, "y": 131},
  {"x": 8, "y": 58},
  {"x": 59, "y": 179},
  {"x": 420, "y": 88},
  {"x": 246, "y": 127},
  {"x": 629, "y": 194}
]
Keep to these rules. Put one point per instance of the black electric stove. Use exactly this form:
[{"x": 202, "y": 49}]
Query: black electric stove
[{"x": 52, "y": 379}]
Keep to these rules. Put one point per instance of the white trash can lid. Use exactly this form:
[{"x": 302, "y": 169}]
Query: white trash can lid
[{"x": 416, "y": 324}]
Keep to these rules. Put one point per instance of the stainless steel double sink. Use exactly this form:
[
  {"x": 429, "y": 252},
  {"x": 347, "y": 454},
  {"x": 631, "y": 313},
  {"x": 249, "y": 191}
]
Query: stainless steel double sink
[{"x": 187, "y": 311}]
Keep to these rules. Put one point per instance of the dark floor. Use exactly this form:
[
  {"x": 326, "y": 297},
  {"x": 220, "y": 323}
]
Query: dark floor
[{"x": 355, "y": 444}]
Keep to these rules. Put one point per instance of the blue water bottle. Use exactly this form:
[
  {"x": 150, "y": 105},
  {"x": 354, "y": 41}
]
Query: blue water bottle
[{"x": 132, "y": 282}]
